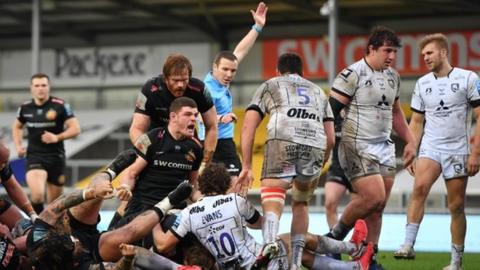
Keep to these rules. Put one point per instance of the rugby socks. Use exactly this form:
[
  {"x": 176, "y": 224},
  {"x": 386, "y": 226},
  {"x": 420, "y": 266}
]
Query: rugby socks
[
  {"x": 339, "y": 231},
  {"x": 321, "y": 262},
  {"x": 38, "y": 207},
  {"x": 411, "y": 232},
  {"x": 329, "y": 245},
  {"x": 297, "y": 243},
  {"x": 457, "y": 254},
  {"x": 270, "y": 227}
]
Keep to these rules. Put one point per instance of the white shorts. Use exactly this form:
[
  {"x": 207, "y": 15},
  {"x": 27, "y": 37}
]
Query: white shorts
[
  {"x": 286, "y": 160},
  {"x": 359, "y": 158},
  {"x": 453, "y": 166}
]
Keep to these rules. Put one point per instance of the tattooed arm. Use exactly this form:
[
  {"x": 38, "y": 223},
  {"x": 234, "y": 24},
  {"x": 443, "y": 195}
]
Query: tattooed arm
[{"x": 55, "y": 209}]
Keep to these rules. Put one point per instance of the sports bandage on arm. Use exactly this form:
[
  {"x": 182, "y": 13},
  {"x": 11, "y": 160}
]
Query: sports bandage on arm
[{"x": 337, "y": 107}]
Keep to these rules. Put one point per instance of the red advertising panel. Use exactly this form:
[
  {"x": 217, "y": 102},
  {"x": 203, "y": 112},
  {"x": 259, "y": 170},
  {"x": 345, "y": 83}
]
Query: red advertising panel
[{"x": 464, "y": 52}]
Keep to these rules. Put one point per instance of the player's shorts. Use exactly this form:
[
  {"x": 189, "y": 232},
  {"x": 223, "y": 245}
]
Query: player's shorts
[
  {"x": 280, "y": 261},
  {"x": 335, "y": 172},
  {"x": 453, "y": 166},
  {"x": 226, "y": 153},
  {"x": 53, "y": 164},
  {"x": 87, "y": 234},
  {"x": 360, "y": 158},
  {"x": 285, "y": 159}
]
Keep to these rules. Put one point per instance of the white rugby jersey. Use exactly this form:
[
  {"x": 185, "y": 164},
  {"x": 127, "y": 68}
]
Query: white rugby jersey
[
  {"x": 219, "y": 223},
  {"x": 372, "y": 93},
  {"x": 445, "y": 103},
  {"x": 297, "y": 109}
]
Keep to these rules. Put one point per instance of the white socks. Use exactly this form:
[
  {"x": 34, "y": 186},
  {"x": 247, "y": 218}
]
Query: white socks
[{"x": 411, "y": 231}]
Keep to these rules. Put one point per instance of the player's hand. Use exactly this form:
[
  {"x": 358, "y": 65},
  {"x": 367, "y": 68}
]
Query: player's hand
[
  {"x": 124, "y": 192},
  {"x": 102, "y": 190},
  {"x": 409, "y": 153},
  {"x": 260, "y": 15},
  {"x": 21, "y": 151},
  {"x": 243, "y": 182},
  {"x": 412, "y": 167},
  {"x": 472, "y": 165},
  {"x": 128, "y": 250},
  {"x": 227, "y": 118},
  {"x": 48, "y": 137}
]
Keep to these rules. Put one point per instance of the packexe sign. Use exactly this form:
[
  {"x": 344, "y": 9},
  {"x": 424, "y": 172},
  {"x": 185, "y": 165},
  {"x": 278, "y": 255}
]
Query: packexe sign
[{"x": 91, "y": 63}]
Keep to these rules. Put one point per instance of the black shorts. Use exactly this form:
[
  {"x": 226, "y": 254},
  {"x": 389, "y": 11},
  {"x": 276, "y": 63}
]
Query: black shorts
[
  {"x": 53, "y": 164},
  {"x": 335, "y": 174},
  {"x": 226, "y": 153},
  {"x": 88, "y": 235}
]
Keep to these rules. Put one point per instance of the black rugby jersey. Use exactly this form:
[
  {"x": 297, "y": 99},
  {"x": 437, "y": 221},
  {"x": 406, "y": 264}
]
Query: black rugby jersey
[
  {"x": 169, "y": 163},
  {"x": 154, "y": 100},
  {"x": 50, "y": 116}
]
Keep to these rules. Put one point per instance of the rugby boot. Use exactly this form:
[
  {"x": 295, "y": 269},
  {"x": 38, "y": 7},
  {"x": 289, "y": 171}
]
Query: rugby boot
[
  {"x": 359, "y": 235},
  {"x": 405, "y": 252},
  {"x": 366, "y": 258},
  {"x": 269, "y": 251},
  {"x": 453, "y": 266}
]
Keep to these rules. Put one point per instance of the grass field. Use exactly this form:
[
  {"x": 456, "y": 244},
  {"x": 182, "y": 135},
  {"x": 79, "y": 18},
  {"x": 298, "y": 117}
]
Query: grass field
[{"x": 427, "y": 261}]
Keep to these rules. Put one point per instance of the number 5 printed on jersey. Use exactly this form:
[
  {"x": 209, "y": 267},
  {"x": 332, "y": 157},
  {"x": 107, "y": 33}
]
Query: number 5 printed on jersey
[{"x": 302, "y": 93}]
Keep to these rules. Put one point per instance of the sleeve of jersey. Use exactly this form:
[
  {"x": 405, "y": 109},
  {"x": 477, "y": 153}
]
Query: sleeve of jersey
[
  {"x": 204, "y": 100},
  {"x": 327, "y": 112},
  {"x": 141, "y": 104},
  {"x": 68, "y": 111},
  {"x": 473, "y": 85},
  {"x": 6, "y": 173},
  {"x": 246, "y": 209},
  {"x": 398, "y": 82},
  {"x": 181, "y": 226},
  {"x": 259, "y": 100},
  {"x": 345, "y": 83},
  {"x": 20, "y": 116},
  {"x": 417, "y": 104},
  {"x": 143, "y": 144}
]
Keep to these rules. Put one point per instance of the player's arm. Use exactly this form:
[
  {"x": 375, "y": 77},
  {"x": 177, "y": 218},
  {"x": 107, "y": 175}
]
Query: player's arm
[
  {"x": 416, "y": 125},
  {"x": 129, "y": 178},
  {"x": 473, "y": 163},
  {"x": 164, "y": 241},
  {"x": 55, "y": 209},
  {"x": 140, "y": 125},
  {"x": 17, "y": 136},
  {"x": 251, "y": 121},
  {"x": 330, "y": 134},
  {"x": 401, "y": 128},
  {"x": 18, "y": 196},
  {"x": 250, "y": 124},
  {"x": 211, "y": 133},
  {"x": 244, "y": 46},
  {"x": 256, "y": 221},
  {"x": 72, "y": 129}
]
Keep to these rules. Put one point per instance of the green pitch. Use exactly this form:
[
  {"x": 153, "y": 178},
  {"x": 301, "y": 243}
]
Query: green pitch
[{"x": 425, "y": 261}]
